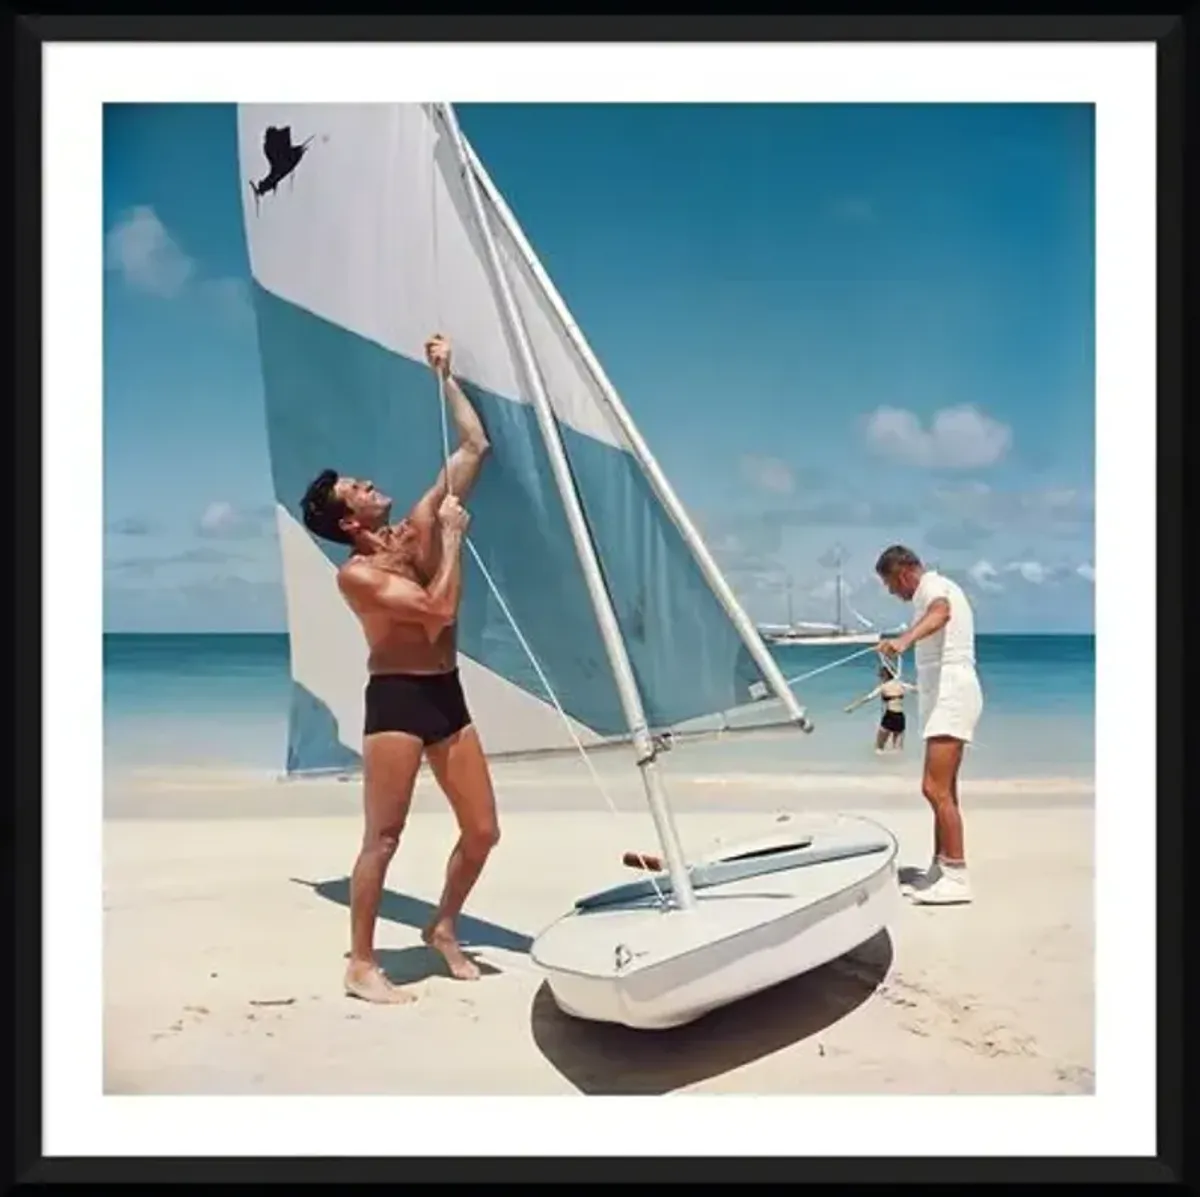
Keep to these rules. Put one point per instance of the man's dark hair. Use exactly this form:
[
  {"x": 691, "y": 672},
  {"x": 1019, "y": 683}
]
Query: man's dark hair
[
  {"x": 323, "y": 511},
  {"x": 894, "y": 557}
]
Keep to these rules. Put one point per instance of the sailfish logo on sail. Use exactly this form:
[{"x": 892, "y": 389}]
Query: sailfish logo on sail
[{"x": 282, "y": 155}]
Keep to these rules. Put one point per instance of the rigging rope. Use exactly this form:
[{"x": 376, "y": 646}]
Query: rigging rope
[{"x": 862, "y": 652}]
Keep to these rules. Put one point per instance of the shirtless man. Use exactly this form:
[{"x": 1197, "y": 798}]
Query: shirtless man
[
  {"x": 950, "y": 701},
  {"x": 403, "y": 581}
]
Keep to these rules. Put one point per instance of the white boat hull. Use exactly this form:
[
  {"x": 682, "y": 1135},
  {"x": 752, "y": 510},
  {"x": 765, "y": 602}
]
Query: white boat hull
[
  {"x": 649, "y": 967},
  {"x": 850, "y": 639}
]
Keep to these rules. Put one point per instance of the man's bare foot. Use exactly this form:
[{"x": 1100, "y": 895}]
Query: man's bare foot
[
  {"x": 367, "y": 981},
  {"x": 442, "y": 939}
]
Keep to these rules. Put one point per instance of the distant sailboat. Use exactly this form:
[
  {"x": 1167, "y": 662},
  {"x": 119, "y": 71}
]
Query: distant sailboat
[
  {"x": 593, "y": 613},
  {"x": 812, "y": 633}
]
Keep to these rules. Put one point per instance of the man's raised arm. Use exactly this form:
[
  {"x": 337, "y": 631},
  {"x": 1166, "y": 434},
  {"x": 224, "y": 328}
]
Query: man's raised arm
[{"x": 463, "y": 466}]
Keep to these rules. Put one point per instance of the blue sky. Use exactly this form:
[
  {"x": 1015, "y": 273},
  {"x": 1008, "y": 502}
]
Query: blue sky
[{"x": 836, "y": 326}]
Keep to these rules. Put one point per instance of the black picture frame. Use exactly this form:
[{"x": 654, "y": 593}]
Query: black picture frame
[{"x": 24, "y": 844}]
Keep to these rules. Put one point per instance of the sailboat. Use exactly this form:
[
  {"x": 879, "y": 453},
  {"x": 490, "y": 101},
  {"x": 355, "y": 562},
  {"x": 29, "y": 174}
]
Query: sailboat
[
  {"x": 814, "y": 633},
  {"x": 593, "y": 615}
]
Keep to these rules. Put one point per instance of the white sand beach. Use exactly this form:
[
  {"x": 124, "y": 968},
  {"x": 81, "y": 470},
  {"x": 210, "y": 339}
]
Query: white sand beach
[{"x": 226, "y": 923}]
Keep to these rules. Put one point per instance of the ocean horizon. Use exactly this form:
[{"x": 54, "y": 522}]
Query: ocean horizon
[{"x": 219, "y": 701}]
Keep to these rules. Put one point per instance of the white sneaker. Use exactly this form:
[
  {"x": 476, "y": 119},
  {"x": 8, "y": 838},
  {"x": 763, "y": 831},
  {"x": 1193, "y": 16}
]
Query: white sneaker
[
  {"x": 923, "y": 879},
  {"x": 950, "y": 887}
]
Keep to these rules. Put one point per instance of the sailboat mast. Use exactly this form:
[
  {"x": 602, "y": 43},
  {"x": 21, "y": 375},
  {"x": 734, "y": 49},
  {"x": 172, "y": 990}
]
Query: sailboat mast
[
  {"x": 838, "y": 617},
  {"x": 610, "y": 629},
  {"x": 657, "y": 479}
]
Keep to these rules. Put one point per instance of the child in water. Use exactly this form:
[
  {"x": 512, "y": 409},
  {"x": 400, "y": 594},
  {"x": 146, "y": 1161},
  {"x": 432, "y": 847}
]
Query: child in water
[{"x": 890, "y": 691}]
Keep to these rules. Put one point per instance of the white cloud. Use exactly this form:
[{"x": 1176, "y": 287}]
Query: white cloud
[
  {"x": 1036, "y": 573},
  {"x": 769, "y": 474},
  {"x": 984, "y": 575},
  {"x": 217, "y": 516},
  {"x": 140, "y": 247},
  {"x": 959, "y": 438},
  {"x": 1033, "y": 572},
  {"x": 224, "y": 520}
]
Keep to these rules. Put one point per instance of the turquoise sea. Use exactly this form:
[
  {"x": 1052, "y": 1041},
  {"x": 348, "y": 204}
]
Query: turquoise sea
[{"x": 221, "y": 701}]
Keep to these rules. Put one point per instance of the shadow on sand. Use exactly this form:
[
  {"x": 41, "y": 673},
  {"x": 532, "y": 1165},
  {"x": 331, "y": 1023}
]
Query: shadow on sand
[
  {"x": 407, "y": 965},
  {"x": 602, "y": 1058}
]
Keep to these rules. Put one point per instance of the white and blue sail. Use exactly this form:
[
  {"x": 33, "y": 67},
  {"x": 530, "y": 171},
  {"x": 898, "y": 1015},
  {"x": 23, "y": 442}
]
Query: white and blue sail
[{"x": 362, "y": 242}]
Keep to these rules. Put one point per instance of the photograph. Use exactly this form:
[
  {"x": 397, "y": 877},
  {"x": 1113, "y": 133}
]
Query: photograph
[{"x": 681, "y": 681}]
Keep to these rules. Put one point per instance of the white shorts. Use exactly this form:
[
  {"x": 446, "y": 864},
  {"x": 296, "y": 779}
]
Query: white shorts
[{"x": 950, "y": 702}]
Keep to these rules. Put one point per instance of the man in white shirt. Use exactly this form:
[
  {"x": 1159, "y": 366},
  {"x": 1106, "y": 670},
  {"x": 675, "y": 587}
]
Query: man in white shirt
[{"x": 950, "y": 702}]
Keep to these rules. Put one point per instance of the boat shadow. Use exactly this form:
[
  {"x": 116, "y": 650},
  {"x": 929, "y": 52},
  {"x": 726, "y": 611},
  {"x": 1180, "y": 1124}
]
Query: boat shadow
[
  {"x": 405, "y": 966},
  {"x": 606, "y": 1059}
]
